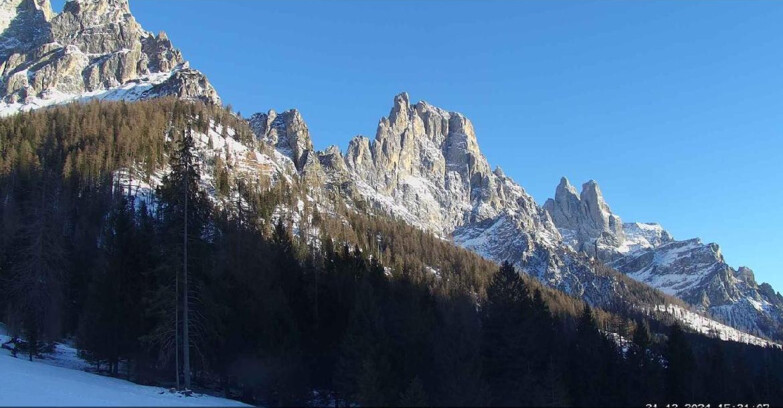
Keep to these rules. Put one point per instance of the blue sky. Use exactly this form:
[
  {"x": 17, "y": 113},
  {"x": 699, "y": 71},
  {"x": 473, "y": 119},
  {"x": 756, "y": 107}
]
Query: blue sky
[{"x": 675, "y": 108}]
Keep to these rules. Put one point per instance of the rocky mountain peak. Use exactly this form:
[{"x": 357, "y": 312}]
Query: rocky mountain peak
[
  {"x": 690, "y": 269},
  {"x": 398, "y": 116},
  {"x": 565, "y": 209},
  {"x": 596, "y": 213},
  {"x": 333, "y": 150},
  {"x": 585, "y": 220},
  {"x": 93, "y": 49},
  {"x": 425, "y": 166},
  {"x": 565, "y": 187}
]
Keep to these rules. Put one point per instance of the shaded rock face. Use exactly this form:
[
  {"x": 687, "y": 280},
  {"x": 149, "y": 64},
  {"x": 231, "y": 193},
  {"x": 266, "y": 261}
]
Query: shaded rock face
[
  {"x": 94, "y": 48},
  {"x": 585, "y": 220},
  {"x": 691, "y": 270},
  {"x": 24, "y": 25}
]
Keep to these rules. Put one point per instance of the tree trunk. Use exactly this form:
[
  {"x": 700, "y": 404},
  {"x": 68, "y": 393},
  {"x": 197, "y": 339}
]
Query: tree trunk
[
  {"x": 185, "y": 334},
  {"x": 176, "y": 328}
]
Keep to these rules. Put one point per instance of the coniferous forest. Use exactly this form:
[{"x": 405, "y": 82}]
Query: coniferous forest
[{"x": 355, "y": 317}]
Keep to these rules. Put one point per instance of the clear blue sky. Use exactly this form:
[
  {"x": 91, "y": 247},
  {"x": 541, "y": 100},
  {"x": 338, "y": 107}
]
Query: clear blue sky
[{"x": 675, "y": 108}]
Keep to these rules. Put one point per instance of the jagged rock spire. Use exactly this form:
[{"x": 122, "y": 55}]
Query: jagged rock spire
[
  {"x": 585, "y": 220},
  {"x": 596, "y": 216},
  {"x": 565, "y": 209}
]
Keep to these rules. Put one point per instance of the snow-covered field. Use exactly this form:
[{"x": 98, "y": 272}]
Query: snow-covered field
[{"x": 58, "y": 381}]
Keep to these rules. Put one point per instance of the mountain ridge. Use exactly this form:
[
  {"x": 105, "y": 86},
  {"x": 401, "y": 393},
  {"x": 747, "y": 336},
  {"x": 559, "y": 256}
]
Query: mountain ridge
[
  {"x": 424, "y": 166},
  {"x": 689, "y": 269}
]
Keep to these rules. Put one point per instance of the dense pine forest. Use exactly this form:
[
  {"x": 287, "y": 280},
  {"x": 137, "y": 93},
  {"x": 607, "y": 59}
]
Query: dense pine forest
[{"x": 373, "y": 312}]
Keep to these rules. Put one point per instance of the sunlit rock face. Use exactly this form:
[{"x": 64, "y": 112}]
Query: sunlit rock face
[{"x": 92, "y": 49}]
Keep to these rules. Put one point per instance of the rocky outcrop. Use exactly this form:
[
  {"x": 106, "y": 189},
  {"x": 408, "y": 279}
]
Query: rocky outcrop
[
  {"x": 184, "y": 83},
  {"x": 287, "y": 132},
  {"x": 93, "y": 49},
  {"x": 97, "y": 26}
]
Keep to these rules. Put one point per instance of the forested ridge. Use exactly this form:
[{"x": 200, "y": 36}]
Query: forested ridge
[{"x": 373, "y": 312}]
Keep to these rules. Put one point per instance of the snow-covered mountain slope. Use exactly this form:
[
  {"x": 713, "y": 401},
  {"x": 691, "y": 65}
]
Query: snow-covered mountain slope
[
  {"x": 94, "y": 49},
  {"x": 690, "y": 270},
  {"x": 221, "y": 154},
  {"x": 49, "y": 382}
]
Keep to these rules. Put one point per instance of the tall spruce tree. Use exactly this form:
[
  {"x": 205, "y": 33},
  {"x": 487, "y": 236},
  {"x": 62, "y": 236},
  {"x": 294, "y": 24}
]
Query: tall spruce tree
[
  {"x": 185, "y": 209},
  {"x": 36, "y": 264},
  {"x": 503, "y": 338}
]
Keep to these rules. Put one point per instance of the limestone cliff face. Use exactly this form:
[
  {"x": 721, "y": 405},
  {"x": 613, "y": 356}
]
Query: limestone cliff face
[{"x": 93, "y": 49}]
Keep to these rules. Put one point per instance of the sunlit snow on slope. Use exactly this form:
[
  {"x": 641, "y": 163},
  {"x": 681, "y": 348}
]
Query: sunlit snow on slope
[
  {"x": 674, "y": 268},
  {"x": 58, "y": 381},
  {"x": 712, "y": 328},
  {"x": 245, "y": 162},
  {"x": 640, "y": 235}
]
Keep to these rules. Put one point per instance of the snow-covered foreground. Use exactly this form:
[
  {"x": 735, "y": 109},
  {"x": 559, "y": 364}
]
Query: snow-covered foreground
[
  {"x": 26, "y": 383},
  {"x": 50, "y": 382}
]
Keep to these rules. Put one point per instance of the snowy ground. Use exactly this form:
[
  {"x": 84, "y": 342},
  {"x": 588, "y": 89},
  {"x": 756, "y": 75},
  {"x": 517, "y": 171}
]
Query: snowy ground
[{"x": 59, "y": 381}]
